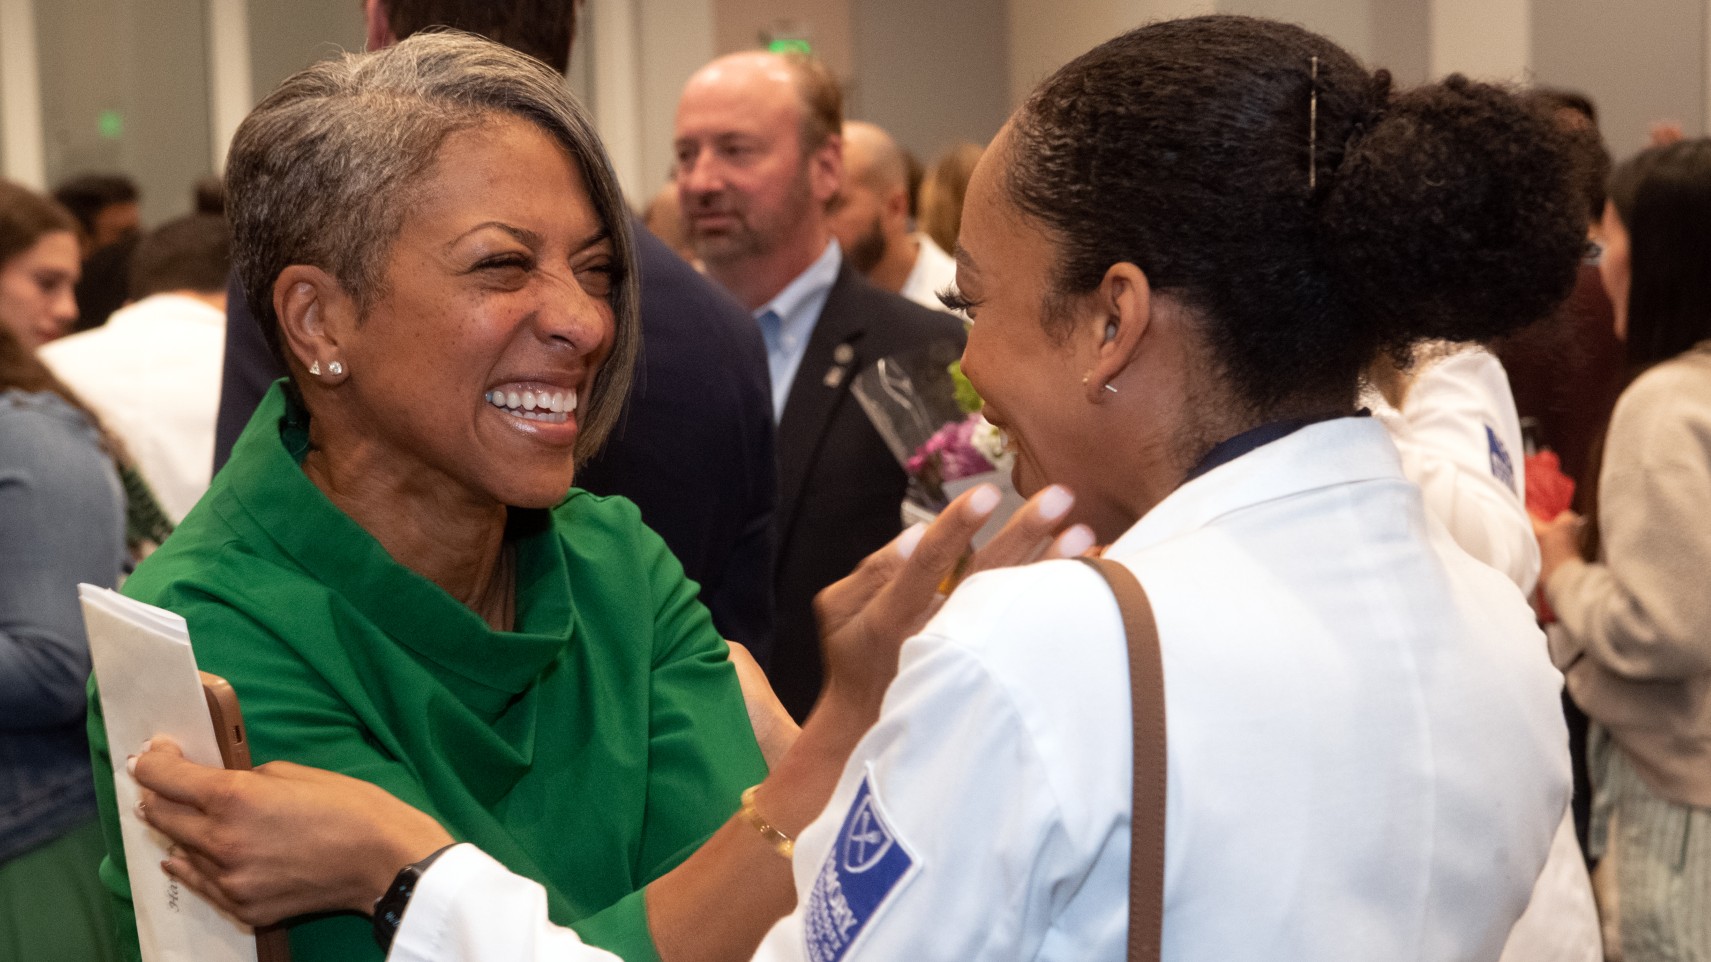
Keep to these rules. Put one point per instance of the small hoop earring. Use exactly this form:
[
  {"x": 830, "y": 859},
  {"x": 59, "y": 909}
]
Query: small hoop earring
[
  {"x": 335, "y": 369},
  {"x": 315, "y": 368}
]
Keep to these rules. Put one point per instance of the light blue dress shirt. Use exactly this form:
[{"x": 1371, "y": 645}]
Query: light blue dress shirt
[{"x": 787, "y": 321}]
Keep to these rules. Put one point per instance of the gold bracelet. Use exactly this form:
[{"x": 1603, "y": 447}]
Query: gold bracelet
[{"x": 780, "y": 842}]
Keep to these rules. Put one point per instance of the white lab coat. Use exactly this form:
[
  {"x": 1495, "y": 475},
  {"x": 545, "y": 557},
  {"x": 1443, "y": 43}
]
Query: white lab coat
[
  {"x": 1460, "y": 441},
  {"x": 1367, "y": 753}
]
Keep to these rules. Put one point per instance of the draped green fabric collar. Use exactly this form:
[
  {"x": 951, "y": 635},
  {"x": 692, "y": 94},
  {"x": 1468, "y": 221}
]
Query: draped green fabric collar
[{"x": 280, "y": 503}]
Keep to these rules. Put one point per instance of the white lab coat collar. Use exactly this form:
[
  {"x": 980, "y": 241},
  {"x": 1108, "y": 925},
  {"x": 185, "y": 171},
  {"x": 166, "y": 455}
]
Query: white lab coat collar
[{"x": 1328, "y": 453}]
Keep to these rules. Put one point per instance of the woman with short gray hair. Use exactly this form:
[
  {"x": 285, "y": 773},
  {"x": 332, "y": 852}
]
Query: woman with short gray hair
[{"x": 325, "y": 169}]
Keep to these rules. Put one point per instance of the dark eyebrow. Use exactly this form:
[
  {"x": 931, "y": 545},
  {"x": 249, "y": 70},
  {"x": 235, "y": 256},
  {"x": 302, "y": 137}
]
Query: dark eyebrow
[
  {"x": 964, "y": 258},
  {"x": 533, "y": 240},
  {"x": 524, "y": 236},
  {"x": 601, "y": 235}
]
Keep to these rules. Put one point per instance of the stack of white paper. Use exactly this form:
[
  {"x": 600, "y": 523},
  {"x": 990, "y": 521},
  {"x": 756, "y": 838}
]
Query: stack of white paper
[{"x": 149, "y": 686}]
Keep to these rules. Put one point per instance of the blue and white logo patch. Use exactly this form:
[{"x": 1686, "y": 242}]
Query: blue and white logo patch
[
  {"x": 866, "y": 863},
  {"x": 1502, "y": 467}
]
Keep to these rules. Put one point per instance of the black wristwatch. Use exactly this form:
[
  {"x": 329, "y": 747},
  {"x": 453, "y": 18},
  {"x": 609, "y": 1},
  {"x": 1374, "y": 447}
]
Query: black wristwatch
[{"x": 389, "y": 908}]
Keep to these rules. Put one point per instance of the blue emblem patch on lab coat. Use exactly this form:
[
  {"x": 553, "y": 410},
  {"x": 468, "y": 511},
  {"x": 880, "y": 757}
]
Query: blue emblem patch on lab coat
[
  {"x": 865, "y": 865},
  {"x": 1501, "y": 466}
]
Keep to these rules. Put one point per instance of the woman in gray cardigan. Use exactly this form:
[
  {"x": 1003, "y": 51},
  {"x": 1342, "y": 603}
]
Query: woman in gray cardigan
[{"x": 1634, "y": 641}]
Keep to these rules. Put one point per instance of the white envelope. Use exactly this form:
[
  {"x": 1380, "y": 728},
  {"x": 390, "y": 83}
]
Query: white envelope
[{"x": 150, "y": 686}]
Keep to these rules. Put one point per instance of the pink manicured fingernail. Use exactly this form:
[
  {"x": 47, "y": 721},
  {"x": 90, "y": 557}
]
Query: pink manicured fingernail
[
  {"x": 146, "y": 746},
  {"x": 131, "y": 764},
  {"x": 909, "y": 539},
  {"x": 1075, "y": 541},
  {"x": 1055, "y": 502},
  {"x": 986, "y": 498}
]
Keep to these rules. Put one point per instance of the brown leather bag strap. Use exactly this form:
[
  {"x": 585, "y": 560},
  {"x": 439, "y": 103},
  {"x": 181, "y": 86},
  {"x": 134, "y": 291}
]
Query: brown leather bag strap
[{"x": 1146, "y": 809}]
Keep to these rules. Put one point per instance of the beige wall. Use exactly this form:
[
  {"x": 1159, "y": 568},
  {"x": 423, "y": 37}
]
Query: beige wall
[
  {"x": 1401, "y": 39},
  {"x": 930, "y": 70},
  {"x": 738, "y": 25},
  {"x": 1640, "y": 62},
  {"x": 942, "y": 80},
  {"x": 288, "y": 35},
  {"x": 931, "y": 73},
  {"x": 678, "y": 38},
  {"x": 1348, "y": 22},
  {"x": 147, "y": 65},
  {"x": 1485, "y": 39},
  {"x": 20, "y": 96},
  {"x": 1046, "y": 34}
]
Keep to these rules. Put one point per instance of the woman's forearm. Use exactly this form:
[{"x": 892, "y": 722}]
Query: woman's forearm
[{"x": 691, "y": 912}]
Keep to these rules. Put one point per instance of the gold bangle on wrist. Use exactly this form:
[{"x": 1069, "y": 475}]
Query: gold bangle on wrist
[{"x": 780, "y": 842}]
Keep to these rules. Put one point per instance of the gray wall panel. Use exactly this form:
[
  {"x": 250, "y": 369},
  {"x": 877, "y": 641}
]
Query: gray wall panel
[
  {"x": 147, "y": 67},
  {"x": 1640, "y": 62},
  {"x": 931, "y": 73},
  {"x": 288, "y": 35}
]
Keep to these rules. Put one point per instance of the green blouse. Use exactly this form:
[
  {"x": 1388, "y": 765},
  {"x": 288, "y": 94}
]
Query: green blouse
[{"x": 591, "y": 750}]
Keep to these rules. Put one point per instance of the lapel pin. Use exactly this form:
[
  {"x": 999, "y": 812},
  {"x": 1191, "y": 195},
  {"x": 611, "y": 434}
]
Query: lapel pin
[{"x": 842, "y": 356}]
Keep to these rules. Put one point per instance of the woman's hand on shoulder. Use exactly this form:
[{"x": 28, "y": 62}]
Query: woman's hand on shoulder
[
  {"x": 866, "y": 617},
  {"x": 282, "y": 840}
]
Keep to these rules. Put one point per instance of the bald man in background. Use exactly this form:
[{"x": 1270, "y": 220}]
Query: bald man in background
[{"x": 870, "y": 217}]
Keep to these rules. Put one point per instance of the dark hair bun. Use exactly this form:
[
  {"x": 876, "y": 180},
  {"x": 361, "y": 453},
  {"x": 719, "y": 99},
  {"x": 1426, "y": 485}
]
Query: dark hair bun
[
  {"x": 1453, "y": 217},
  {"x": 1264, "y": 179}
]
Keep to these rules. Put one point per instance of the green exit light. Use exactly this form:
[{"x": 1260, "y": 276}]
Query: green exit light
[
  {"x": 111, "y": 123},
  {"x": 789, "y": 45}
]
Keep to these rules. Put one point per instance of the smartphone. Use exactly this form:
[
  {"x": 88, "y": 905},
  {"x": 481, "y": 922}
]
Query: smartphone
[{"x": 272, "y": 944}]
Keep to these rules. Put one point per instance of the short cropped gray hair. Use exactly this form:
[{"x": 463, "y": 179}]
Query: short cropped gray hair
[{"x": 322, "y": 172}]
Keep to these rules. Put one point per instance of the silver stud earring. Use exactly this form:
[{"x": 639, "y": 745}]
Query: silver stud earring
[
  {"x": 315, "y": 368},
  {"x": 335, "y": 368}
]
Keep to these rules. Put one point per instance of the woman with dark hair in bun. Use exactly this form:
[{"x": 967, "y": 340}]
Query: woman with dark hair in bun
[
  {"x": 1634, "y": 632},
  {"x": 1178, "y": 256}
]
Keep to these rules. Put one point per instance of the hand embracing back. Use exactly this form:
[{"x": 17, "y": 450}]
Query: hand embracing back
[{"x": 282, "y": 840}]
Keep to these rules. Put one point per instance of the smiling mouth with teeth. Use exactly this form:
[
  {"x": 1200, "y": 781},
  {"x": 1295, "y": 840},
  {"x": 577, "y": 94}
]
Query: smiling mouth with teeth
[{"x": 553, "y": 407}]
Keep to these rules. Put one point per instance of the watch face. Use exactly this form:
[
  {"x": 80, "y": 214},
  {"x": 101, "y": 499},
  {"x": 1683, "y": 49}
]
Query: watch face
[{"x": 389, "y": 910}]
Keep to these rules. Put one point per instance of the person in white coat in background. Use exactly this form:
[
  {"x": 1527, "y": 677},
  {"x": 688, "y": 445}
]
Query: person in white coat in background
[
  {"x": 1179, "y": 255},
  {"x": 1453, "y": 419}
]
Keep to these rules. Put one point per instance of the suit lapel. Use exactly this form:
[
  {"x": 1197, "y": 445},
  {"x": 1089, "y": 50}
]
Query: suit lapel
[{"x": 832, "y": 359}]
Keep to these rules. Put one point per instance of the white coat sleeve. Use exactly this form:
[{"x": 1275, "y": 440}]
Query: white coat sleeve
[
  {"x": 1460, "y": 441},
  {"x": 469, "y": 908},
  {"x": 941, "y": 842}
]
